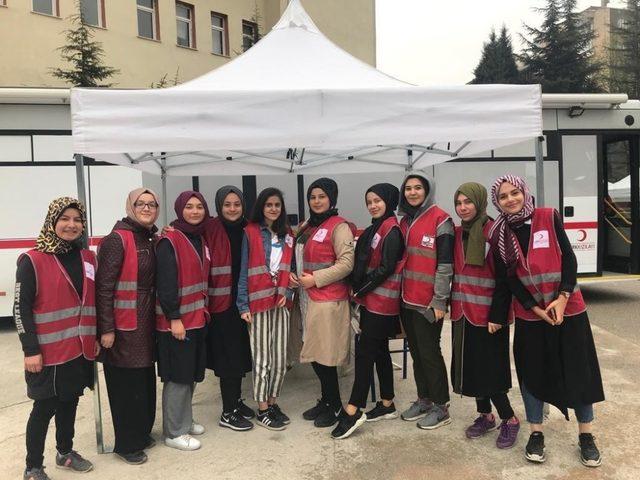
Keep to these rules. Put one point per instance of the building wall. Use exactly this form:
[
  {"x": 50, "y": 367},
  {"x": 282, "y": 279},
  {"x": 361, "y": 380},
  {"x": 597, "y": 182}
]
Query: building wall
[{"x": 34, "y": 38}]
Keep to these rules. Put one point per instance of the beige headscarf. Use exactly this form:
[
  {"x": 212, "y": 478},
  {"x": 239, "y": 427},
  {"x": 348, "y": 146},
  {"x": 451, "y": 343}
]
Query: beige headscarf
[{"x": 133, "y": 197}]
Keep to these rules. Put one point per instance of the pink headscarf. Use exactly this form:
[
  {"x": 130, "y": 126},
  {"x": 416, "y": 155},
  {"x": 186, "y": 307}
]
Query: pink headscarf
[
  {"x": 133, "y": 197},
  {"x": 501, "y": 235}
]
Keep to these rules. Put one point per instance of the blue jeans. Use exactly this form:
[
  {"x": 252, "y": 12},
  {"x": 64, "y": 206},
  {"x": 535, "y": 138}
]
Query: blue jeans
[{"x": 533, "y": 408}]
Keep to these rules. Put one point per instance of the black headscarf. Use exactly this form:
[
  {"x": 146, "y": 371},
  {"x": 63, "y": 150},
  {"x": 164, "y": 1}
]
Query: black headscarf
[
  {"x": 390, "y": 195},
  {"x": 409, "y": 210},
  {"x": 221, "y": 195},
  {"x": 330, "y": 187}
]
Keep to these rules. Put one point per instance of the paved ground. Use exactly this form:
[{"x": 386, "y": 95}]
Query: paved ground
[{"x": 385, "y": 450}]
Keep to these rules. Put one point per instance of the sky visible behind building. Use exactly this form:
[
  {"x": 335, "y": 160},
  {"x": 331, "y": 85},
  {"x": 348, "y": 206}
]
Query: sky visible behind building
[{"x": 429, "y": 42}]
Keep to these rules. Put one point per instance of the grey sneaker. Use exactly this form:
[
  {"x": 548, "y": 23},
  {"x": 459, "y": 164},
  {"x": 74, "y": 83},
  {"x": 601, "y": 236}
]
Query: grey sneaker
[
  {"x": 35, "y": 474},
  {"x": 73, "y": 461},
  {"x": 418, "y": 409},
  {"x": 438, "y": 416}
]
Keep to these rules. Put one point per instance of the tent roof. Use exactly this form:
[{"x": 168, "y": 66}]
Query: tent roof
[{"x": 295, "y": 102}]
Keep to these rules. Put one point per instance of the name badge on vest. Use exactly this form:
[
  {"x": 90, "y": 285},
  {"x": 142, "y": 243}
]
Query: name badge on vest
[
  {"x": 89, "y": 271},
  {"x": 541, "y": 239},
  {"x": 428, "y": 241},
  {"x": 320, "y": 235},
  {"x": 207, "y": 253},
  {"x": 288, "y": 239},
  {"x": 376, "y": 240}
]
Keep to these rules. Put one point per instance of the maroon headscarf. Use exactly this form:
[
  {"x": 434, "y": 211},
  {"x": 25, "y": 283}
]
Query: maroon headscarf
[{"x": 181, "y": 224}]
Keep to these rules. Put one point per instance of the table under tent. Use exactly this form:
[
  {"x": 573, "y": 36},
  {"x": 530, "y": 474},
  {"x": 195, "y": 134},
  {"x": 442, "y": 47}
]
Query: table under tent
[{"x": 295, "y": 103}]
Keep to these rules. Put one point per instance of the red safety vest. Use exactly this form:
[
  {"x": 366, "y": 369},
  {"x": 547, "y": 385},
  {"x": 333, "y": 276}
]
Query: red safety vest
[
  {"x": 264, "y": 290},
  {"x": 193, "y": 279},
  {"x": 419, "y": 272},
  {"x": 125, "y": 298},
  {"x": 541, "y": 270},
  {"x": 385, "y": 298},
  {"x": 65, "y": 323},
  {"x": 220, "y": 277},
  {"x": 319, "y": 254},
  {"x": 473, "y": 286}
]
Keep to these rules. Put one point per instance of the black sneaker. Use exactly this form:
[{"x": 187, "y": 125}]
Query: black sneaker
[
  {"x": 589, "y": 453},
  {"x": 280, "y": 414},
  {"x": 35, "y": 474},
  {"x": 235, "y": 421},
  {"x": 328, "y": 417},
  {"x": 347, "y": 424},
  {"x": 534, "y": 451},
  {"x": 380, "y": 412},
  {"x": 267, "y": 419},
  {"x": 244, "y": 410},
  {"x": 135, "y": 458},
  {"x": 315, "y": 411},
  {"x": 73, "y": 461},
  {"x": 151, "y": 442}
]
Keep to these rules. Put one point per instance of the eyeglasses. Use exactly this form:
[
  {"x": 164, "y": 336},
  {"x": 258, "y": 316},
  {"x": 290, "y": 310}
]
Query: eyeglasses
[{"x": 142, "y": 205}]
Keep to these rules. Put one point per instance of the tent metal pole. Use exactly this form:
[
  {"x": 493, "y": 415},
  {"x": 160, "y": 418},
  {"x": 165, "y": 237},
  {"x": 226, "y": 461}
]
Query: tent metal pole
[
  {"x": 539, "y": 172},
  {"x": 409, "y": 160},
  {"x": 163, "y": 177},
  {"x": 97, "y": 406}
]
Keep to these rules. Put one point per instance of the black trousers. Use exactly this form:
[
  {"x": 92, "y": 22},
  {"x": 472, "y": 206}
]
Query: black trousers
[
  {"x": 38, "y": 424},
  {"x": 132, "y": 398},
  {"x": 328, "y": 384},
  {"x": 370, "y": 351},
  {"x": 429, "y": 369},
  {"x": 501, "y": 402},
  {"x": 230, "y": 390}
]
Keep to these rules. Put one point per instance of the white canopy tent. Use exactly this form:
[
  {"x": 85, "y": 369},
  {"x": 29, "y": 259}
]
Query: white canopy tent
[{"x": 297, "y": 103}]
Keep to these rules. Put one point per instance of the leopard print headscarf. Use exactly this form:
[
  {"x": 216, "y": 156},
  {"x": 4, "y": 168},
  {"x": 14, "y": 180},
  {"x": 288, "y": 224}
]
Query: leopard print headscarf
[{"x": 48, "y": 241}]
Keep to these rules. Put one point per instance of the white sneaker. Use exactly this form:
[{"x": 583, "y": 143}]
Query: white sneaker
[
  {"x": 183, "y": 442},
  {"x": 196, "y": 429}
]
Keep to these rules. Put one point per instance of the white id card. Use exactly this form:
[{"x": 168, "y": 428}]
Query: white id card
[
  {"x": 428, "y": 241},
  {"x": 288, "y": 239},
  {"x": 89, "y": 271},
  {"x": 320, "y": 235},
  {"x": 207, "y": 253},
  {"x": 541, "y": 239},
  {"x": 376, "y": 240}
]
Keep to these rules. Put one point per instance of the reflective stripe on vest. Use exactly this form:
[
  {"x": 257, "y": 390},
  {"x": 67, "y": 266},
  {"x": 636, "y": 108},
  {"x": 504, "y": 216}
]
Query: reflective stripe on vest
[
  {"x": 540, "y": 270},
  {"x": 125, "y": 296}
]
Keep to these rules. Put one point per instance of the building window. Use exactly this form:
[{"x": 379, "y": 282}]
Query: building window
[
  {"x": 48, "y": 7},
  {"x": 185, "y": 25},
  {"x": 219, "y": 34},
  {"x": 148, "y": 19},
  {"x": 249, "y": 34},
  {"x": 92, "y": 12}
]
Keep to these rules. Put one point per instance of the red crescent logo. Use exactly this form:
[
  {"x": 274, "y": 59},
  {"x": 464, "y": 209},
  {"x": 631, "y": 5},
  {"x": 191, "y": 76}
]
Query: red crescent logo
[{"x": 582, "y": 235}]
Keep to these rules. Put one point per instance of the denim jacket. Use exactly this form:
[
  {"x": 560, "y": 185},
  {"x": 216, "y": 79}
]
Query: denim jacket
[{"x": 242, "y": 301}]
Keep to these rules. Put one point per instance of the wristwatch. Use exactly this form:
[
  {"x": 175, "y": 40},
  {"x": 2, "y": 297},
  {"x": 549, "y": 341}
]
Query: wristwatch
[{"x": 565, "y": 295}]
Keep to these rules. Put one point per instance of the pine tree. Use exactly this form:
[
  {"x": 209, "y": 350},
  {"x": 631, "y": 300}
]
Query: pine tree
[
  {"x": 624, "y": 53},
  {"x": 497, "y": 63},
  {"x": 84, "y": 54},
  {"x": 559, "y": 55}
]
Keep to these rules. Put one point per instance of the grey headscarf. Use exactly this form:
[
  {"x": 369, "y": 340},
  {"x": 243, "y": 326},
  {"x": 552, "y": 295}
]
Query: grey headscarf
[{"x": 221, "y": 194}]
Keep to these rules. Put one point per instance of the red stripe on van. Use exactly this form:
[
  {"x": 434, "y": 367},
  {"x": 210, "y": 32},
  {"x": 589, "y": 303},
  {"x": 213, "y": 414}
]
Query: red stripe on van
[
  {"x": 20, "y": 243},
  {"x": 578, "y": 225}
]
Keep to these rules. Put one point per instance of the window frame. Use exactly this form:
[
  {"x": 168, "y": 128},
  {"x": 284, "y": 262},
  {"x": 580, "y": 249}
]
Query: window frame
[
  {"x": 55, "y": 8},
  {"x": 225, "y": 33},
  {"x": 155, "y": 20},
  {"x": 254, "y": 26},
  {"x": 191, "y": 22},
  {"x": 102, "y": 22}
]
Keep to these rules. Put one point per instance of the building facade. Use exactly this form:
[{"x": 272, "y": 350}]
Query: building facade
[{"x": 151, "y": 40}]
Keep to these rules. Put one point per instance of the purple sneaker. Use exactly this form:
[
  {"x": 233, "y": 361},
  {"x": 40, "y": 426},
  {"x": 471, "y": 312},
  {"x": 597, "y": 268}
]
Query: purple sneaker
[
  {"x": 481, "y": 426},
  {"x": 508, "y": 434}
]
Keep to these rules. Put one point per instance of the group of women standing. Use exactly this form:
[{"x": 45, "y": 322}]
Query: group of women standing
[{"x": 227, "y": 292}]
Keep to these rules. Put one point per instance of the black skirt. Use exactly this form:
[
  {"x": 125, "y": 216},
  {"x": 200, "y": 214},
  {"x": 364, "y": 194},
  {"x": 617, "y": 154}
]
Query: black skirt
[
  {"x": 182, "y": 361},
  {"x": 66, "y": 381},
  {"x": 558, "y": 364},
  {"x": 379, "y": 326},
  {"x": 228, "y": 347},
  {"x": 480, "y": 364}
]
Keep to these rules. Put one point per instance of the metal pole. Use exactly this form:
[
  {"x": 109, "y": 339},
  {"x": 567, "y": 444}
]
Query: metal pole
[
  {"x": 163, "y": 176},
  {"x": 97, "y": 406},
  {"x": 539, "y": 172},
  {"x": 409, "y": 160}
]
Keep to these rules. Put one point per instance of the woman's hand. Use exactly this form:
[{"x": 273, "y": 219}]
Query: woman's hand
[
  {"x": 107, "y": 339},
  {"x": 281, "y": 302},
  {"x": 177, "y": 329},
  {"x": 166, "y": 229},
  {"x": 543, "y": 315},
  {"x": 96, "y": 349},
  {"x": 246, "y": 317},
  {"x": 439, "y": 314},
  {"x": 33, "y": 363},
  {"x": 556, "y": 309},
  {"x": 307, "y": 281},
  {"x": 493, "y": 327},
  {"x": 293, "y": 280}
]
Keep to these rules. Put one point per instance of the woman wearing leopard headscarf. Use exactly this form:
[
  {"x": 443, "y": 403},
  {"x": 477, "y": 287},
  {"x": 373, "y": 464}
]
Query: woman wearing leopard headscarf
[{"x": 54, "y": 313}]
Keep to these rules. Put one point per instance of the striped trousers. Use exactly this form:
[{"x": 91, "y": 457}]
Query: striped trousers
[{"x": 269, "y": 332}]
